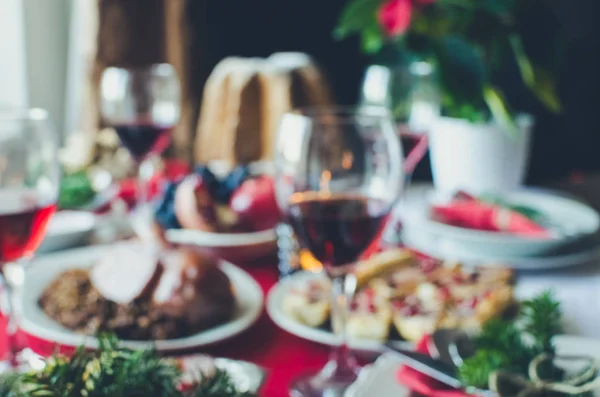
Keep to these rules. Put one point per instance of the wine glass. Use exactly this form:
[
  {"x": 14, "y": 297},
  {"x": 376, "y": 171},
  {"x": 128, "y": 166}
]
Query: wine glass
[
  {"x": 143, "y": 106},
  {"x": 29, "y": 183},
  {"x": 410, "y": 90},
  {"x": 338, "y": 175}
]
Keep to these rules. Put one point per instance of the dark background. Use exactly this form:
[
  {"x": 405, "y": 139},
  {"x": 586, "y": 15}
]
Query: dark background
[{"x": 562, "y": 144}]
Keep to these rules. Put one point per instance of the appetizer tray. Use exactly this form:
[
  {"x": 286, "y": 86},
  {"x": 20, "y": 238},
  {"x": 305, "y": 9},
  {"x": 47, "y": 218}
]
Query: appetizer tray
[
  {"x": 45, "y": 269},
  {"x": 400, "y": 298}
]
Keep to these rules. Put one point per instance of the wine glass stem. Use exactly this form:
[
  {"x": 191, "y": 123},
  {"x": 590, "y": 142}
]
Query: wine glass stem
[
  {"x": 145, "y": 171},
  {"x": 9, "y": 312},
  {"x": 343, "y": 290}
]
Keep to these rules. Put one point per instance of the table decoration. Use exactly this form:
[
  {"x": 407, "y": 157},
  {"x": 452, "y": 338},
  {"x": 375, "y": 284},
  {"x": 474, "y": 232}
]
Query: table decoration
[
  {"x": 480, "y": 144},
  {"x": 117, "y": 372}
]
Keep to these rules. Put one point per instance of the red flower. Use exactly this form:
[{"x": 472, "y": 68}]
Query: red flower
[{"x": 394, "y": 16}]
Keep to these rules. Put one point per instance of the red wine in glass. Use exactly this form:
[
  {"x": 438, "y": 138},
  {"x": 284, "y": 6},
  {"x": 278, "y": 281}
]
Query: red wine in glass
[
  {"x": 143, "y": 138},
  {"x": 23, "y": 222},
  {"x": 338, "y": 228}
]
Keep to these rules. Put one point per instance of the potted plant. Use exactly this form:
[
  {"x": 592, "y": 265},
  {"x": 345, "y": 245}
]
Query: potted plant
[{"x": 481, "y": 143}]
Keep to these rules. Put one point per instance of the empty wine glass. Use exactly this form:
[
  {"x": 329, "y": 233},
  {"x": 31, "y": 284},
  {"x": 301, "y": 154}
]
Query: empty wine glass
[
  {"x": 338, "y": 175},
  {"x": 410, "y": 90},
  {"x": 143, "y": 106},
  {"x": 29, "y": 183}
]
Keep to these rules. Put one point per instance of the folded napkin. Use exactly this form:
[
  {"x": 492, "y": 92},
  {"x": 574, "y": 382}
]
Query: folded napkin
[
  {"x": 471, "y": 213},
  {"x": 423, "y": 384}
]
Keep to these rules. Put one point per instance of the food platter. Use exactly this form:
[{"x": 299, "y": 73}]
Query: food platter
[
  {"x": 571, "y": 220},
  {"x": 319, "y": 335},
  {"x": 400, "y": 298},
  {"x": 43, "y": 271}
]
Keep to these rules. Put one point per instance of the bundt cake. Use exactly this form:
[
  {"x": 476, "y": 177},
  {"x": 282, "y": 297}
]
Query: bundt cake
[{"x": 244, "y": 99}]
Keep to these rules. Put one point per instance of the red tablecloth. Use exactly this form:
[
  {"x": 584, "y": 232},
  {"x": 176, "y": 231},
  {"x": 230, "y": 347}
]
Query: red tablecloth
[{"x": 283, "y": 355}]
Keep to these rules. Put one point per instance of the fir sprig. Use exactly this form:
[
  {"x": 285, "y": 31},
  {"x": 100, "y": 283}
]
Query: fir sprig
[
  {"x": 111, "y": 371},
  {"x": 511, "y": 345},
  {"x": 542, "y": 319}
]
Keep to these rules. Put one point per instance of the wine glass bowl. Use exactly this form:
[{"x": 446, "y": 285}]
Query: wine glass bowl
[
  {"x": 338, "y": 175},
  {"x": 29, "y": 186},
  {"x": 142, "y": 105}
]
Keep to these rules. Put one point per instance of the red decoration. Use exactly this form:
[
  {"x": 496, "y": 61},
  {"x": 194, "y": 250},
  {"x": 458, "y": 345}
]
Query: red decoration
[{"x": 394, "y": 16}]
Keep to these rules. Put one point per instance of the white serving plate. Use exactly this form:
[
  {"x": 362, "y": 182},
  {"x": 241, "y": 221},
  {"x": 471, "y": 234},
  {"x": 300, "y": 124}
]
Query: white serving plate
[
  {"x": 231, "y": 247},
  {"x": 45, "y": 269},
  {"x": 573, "y": 220},
  {"x": 379, "y": 380},
  {"x": 67, "y": 229},
  {"x": 573, "y": 255},
  {"x": 318, "y": 335}
]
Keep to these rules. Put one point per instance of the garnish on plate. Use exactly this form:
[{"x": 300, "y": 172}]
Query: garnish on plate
[
  {"x": 510, "y": 351},
  {"x": 112, "y": 371}
]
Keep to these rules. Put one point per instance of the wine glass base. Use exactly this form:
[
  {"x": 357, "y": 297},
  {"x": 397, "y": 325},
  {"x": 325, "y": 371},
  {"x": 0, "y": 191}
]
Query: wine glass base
[{"x": 332, "y": 381}]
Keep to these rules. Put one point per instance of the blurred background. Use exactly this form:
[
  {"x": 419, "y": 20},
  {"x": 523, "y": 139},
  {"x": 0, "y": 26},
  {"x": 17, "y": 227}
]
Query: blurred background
[{"x": 52, "y": 52}]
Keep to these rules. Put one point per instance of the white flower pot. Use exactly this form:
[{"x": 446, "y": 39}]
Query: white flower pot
[{"x": 478, "y": 157}]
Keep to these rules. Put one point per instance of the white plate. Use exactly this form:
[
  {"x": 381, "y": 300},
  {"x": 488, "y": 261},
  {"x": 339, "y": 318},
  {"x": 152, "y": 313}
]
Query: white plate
[
  {"x": 574, "y": 219},
  {"x": 319, "y": 335},
  {"x": 577, "y": 254},
  {"x": 68, "y": 229},
  {"x": 379, "y": 380},
  {"x": 231, "y": 247},
  {"x": 46, "y": 268}
]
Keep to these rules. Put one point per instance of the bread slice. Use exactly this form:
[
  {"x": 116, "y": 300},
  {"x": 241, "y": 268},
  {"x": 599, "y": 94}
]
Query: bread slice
[
  {"x": 382, "y": 264},
  {"x": 370, "y": 317},
  {"x": 308, "y": 302}
]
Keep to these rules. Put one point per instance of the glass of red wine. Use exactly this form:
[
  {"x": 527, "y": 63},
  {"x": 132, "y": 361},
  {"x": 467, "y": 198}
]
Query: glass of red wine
[
  {"x": 29, "y": 183},
  {"x": 142, "y": 105},
  {"x": 338, "y": 175}
]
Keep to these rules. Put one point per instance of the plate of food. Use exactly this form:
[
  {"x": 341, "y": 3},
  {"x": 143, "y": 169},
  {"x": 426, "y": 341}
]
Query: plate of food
[
  {"x": 168, "y": 299},
  {"x": 400, "y": 298},
  {"x": 229, "y": 215},
  {"x": 113, "y": 370},
  {"x": 523, "y": 223}
]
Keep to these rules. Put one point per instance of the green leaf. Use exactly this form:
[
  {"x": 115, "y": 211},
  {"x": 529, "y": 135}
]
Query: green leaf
[
  {"x": 476, "y": 370},
  {"x": 356, "y": 16},
  {"x": 496, "y": 103},
  {"x": 538, "y": 80},
  {"x": 461, "y": 69},
  {"x": 371, "y": 40}
]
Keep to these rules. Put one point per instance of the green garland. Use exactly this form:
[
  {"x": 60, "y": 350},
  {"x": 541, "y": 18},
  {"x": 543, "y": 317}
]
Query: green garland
[{"x": 112, "y": 372}]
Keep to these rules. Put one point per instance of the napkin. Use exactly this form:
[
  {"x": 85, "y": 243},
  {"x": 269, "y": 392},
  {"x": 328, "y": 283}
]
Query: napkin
[
  {"x": 423, "y": 384},
  {"x": 471, "y": 213},
  {"x": 172, "y": 170}
]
